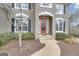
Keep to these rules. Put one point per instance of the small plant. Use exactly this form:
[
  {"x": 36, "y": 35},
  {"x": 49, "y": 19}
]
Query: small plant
[
  {"x": 7, "y": 36},
  {"x": 28, "y": 36},
  {"x": 2, "y": 42},
  {"x": 75, "y": 35},
  {"x": 68, "y": 41},
  {"x": 61, "y": 36}
]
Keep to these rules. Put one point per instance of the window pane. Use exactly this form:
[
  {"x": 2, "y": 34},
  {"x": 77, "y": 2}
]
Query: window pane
[
  {"x": 24, "y": 5},
  {"x": 25, "y": 27},
  {"x": 25, "y": 24},
  {"x": 19, "y": 28},
  {"x": 60, "y": 26},
  {"x": 46, "y": 5},
  {"x": 18, "y": 21},
  {"x": 18, "y": 5},
  {"x": 60, "y": 8}
]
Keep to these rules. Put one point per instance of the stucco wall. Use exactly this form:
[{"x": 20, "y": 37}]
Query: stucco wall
[{"x": 5, "y": 26}]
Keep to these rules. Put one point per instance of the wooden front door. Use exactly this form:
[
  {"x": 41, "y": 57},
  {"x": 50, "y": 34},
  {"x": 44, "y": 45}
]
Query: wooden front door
[{"x": 43, "y": 25}]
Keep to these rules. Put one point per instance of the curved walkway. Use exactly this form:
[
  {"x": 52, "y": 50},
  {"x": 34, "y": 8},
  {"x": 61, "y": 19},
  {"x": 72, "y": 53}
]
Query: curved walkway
[{"x": 50, "y": 49}]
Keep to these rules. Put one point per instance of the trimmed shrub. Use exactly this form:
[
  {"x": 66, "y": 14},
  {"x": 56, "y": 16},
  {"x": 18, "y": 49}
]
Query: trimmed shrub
[
  {"x": 28, "y": 36},
  {"x": 7, "y": 36},
  {"x": 61, "y": 36},
  {"x": 2, "y": 42}
]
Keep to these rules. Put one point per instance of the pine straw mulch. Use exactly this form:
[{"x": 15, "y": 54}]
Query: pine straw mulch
[
  {"x": 28, "y": 47},
  {"x": 69, "y": 49}
]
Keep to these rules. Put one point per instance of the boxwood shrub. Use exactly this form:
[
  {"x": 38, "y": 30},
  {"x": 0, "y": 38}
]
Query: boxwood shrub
[
  {"x": 7, "y": 36},
  {"x": 28, "y": 36},
  {"x": 61, "y": 36}
]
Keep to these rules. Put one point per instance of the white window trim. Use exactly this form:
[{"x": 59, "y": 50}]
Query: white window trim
[
  {"x": 62, "y": 11},
  {"x": 50, "y": 5},
  {"x": 62, "y": 24},
  {"x": 21, "y": 7},
  {"x": 60, "y": 32}
]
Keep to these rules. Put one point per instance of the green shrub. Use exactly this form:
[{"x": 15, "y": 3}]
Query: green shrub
[
  {"x": 28, "y": 36},
  {"x": 75, "y": 35},
  {"x": 7, "y": 36},
  {"x": 2, "y": 42},
  {"x": 61, "y": 36}
]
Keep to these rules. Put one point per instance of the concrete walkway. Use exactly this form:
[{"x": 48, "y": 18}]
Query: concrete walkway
[{"x": 50, "y": 49}]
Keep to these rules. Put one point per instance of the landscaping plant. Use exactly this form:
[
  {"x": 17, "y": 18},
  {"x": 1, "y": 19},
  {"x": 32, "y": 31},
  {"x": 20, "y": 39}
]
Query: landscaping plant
[
  {"x": 61, "y": 36},
  {"x": 64, "y": 37},
  {"x": 7, "y": 36}
]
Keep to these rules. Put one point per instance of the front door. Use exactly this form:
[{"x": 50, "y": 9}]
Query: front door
[{"x": 43, "y": 25}]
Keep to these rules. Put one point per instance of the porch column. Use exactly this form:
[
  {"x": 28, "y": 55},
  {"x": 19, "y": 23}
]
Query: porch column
[
  {"x": 37, "y": 27},
  {"x": 53, "y": 28},
  {"x": 66, "y": 25}
]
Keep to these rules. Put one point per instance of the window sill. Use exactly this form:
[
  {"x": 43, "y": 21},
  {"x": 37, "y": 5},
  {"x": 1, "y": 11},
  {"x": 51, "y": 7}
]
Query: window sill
[
  {"x": 60, "y": 13},
  {"x": 60, "y": 32},
  {"x": 46, "y": 6}
]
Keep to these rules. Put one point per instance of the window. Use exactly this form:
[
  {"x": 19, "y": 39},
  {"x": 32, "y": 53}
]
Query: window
[
  {"x": 17, "y": 5},
  {"x": 59, "y": 9},
  {"x": 22, "y": 24},
  {"x": 48, "y": 5},
  {"x": 74, "y": 21},
  {"x": 22, "y": 5},
  {"x": 60, "y": 25}
]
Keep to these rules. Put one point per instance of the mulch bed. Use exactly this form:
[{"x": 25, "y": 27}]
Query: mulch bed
[
  {"x": 28, "y": 47},
  {"x": 69, "y": 49}
]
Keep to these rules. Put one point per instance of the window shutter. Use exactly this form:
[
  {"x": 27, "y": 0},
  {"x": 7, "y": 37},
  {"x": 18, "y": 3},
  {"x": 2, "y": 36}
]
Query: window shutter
[
  {"x": 29, "y": 5},
  {"x": 64, "y": 9},
  {"x": 29, "y": 25},
  {"x": 12, "y": 25},
  {"x": 64, "y": 27},
  {"x": 12, "y": 5}
]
